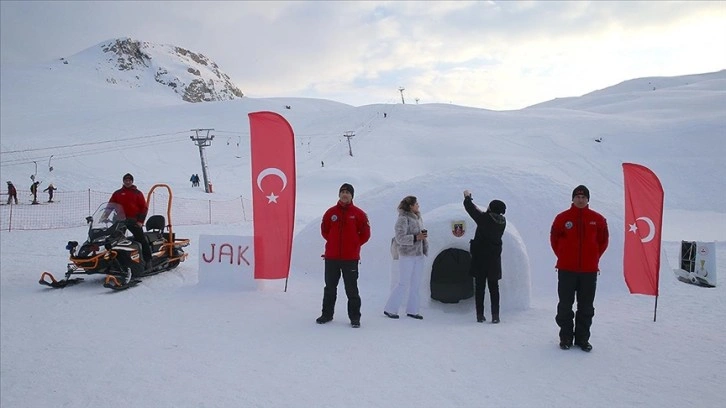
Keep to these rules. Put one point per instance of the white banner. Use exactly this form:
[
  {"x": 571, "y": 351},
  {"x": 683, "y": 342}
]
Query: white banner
[
  {"x": 227, "y": 261},
  {"x": 698, "y": 263}
]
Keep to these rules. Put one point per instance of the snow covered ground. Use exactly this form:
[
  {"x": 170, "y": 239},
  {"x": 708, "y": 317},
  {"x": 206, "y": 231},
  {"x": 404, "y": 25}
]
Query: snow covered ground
[{"x": 172, "y": 343}]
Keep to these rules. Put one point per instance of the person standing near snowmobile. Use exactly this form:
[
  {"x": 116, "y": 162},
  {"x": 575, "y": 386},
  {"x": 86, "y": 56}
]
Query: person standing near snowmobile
[
  {"x": 135, "y": 209},
  {"x": 345, "y": 228},
  {"x": 579, "y": 237},
  {"x": 486, "y": 253},
  {"x": 12, "y": 193}
]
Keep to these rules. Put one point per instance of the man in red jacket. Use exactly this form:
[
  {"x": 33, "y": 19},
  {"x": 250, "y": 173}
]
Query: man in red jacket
[
  {"x": 345, "y": 229},
  {"x": 134, "y": 204},
  {"x": 579, "y": 236}
]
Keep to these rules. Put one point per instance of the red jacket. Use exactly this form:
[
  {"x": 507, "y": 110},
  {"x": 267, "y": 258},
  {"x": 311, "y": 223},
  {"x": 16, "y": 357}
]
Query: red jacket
[
  {"x": 133, "y": 202},
  {"x": 345, "y": 228},
  {"x": 579, "y": 237}
]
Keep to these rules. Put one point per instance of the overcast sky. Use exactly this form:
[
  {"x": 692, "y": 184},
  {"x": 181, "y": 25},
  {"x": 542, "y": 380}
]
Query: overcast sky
[{"x": 495, "y": 55}]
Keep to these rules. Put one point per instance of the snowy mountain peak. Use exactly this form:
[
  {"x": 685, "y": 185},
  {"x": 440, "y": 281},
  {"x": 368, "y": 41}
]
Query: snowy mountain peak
[{"x": 140, "y": 64}]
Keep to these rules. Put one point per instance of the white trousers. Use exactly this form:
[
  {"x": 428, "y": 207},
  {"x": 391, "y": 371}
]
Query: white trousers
[{"x": 409, "y": 281}]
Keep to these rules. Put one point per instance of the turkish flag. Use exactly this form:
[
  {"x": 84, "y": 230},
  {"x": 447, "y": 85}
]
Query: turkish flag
[
  {"x": 643, "y": 221},
  {"x": 272, "y": 147}
]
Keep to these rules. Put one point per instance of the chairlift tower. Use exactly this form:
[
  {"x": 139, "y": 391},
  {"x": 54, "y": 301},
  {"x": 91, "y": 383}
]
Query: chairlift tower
[
  {"x": 401, "y": 89},
  {"x": 202, "y": 142},
  {"x": 348, "y": 134}
]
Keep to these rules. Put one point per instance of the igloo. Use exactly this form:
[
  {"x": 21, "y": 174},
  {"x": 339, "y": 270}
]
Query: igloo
[{"x": 443, "y": 234}]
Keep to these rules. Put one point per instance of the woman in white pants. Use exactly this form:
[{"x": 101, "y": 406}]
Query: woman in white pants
[{"x": 411, "y": 245}]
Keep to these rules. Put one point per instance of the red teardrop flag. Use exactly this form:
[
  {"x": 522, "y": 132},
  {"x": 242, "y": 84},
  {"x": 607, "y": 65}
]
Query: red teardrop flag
[
  {"x": 643, "y": 222},
  {"x": 272, "y": 148}
]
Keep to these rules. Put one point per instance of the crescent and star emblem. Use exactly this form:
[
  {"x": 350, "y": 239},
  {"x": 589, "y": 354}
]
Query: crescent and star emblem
[
  {"x": 274, "y": 171},
  {"x": 651, "y": 229}
]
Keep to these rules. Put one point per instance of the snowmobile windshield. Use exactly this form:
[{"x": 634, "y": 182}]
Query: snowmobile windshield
[
  {"x": 108, "y": 213},
  {"x": 109, "y": 220}
]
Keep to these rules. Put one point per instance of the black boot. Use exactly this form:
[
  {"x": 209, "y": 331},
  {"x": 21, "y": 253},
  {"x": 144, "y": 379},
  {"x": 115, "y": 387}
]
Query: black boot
[
  {"x": 480, "y": 318},
  {"x": 495, "y": 318},
  {"x": 584, "y": 345},
  {"x": 323, "y": 319}
]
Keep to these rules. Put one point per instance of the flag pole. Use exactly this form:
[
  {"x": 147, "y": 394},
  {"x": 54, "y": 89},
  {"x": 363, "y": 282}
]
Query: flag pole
[{"x": 643, "y": 222}]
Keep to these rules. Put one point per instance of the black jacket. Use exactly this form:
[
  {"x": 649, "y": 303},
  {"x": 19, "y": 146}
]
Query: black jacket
[{"x": 486, "y": 247}]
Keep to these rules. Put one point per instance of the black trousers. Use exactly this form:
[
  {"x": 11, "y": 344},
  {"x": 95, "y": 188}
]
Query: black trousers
[
  {"x": 571, "y": 286},
  {"x": 480, "y": 285},
  {"x": 139, "y": 236},
  {"x": 349, "y": 271}
]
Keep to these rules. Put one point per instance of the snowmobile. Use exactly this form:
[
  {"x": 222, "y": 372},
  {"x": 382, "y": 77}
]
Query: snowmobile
[{"x": 110, "y": 251}]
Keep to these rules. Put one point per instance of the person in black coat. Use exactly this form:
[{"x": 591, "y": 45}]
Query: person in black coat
[
  {"x": 34, "y": 191},
  {"x": 486, "y": 252},
  {"x": 12, "y": 193}
]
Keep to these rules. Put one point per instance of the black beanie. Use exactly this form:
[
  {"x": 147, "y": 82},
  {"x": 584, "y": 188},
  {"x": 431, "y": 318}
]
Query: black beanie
[
  {"x": 581, "y": 190},
  {"x": 497, "y": 207},
  {"x": 348, "y": 188},
  {"x": 128, "y": 175}
]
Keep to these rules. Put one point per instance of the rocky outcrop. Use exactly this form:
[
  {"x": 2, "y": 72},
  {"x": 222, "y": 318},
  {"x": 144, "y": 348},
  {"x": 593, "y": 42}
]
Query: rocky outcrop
[{"x": 194, "y": 77}]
